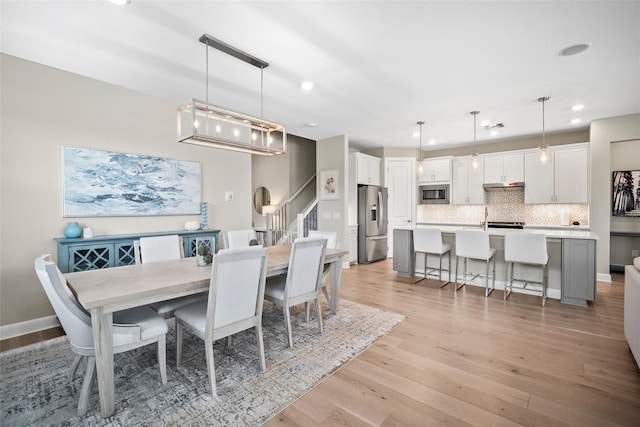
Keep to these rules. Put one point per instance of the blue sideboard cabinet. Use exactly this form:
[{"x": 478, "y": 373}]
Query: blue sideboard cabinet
[{"x": 117, "y": 250}]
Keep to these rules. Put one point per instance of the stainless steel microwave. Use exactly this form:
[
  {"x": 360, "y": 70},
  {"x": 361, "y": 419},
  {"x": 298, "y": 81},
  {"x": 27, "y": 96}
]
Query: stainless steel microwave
[{"x": 434, "y": 194}]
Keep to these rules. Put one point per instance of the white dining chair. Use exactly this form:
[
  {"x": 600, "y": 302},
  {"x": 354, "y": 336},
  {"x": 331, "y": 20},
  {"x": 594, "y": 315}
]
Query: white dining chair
[
  {"x": 332, "y": 238},
  {"x": 164, "y": 248},
  {"x": 428, "y": 241},
  {"x": 526, "y": 249},
  {"x": 132, "y": 328},
  {"x": 475, "y": 245},
  {"x": 234, "y": 239},
  {"x": 236, "y": 295},
  {"x": 302, "y": 282}
]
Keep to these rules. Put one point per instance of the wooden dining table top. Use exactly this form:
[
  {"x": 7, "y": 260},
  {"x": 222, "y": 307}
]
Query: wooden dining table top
[{"x": 129, "y": 286}]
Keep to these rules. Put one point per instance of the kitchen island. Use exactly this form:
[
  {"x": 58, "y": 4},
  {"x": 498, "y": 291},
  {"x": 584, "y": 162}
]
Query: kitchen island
[{"x": 571, "y": 266}]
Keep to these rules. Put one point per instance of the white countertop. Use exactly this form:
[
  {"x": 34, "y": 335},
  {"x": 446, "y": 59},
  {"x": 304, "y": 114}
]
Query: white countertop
[{"x": 558, "y": 233}]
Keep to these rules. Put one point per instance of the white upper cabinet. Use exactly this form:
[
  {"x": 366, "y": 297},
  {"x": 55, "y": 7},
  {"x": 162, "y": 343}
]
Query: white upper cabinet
[
  {"x": 538, "y": 179},
  {"x": 564, "y": 179},
  {"x": 466, "y": 183},
  {"x": 504, "y": 168},
  {"x": 571, "y": 167},
  {"x": 368, "y": 169},
  {"x": 435, "y": 170}
]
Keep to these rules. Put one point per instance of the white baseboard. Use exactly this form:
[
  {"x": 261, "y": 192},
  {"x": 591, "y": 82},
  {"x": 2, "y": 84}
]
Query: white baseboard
[
  {"x": 602, "y": 277},
  {"x": 27, "y": 327}
]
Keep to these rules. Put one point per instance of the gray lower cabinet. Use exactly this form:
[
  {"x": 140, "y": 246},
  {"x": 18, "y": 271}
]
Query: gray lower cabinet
[
  {"x": 403, "y": 261},
  {"x": 578, "y": 271},
  {"x": 116, "y": 251}
]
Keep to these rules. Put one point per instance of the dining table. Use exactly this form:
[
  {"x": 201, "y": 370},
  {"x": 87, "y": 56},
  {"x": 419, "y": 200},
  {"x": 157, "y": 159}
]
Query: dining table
[{"x": 105, "y": 291}]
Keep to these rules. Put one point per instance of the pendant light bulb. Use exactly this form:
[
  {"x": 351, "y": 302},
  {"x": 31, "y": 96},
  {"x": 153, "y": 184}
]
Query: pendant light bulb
[
  {"x": 420, "y": 168},
  {"x": 475, "y": 158},
  {"x": 543, "y": 149}
]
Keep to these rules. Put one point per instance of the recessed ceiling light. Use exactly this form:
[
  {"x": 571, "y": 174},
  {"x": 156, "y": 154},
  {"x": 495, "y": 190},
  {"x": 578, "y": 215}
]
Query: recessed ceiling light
[
  {"x": 415, "y": 134},
  {"x": 577, "y": 107},
  {"x": 485, "y": 123},
  {"x": 306, "y": 85},
  {"x": 574, "y": 50},
  {"x": 311, "y": 124},
  {"x": 120, "y": 2},
  {"x": 575, "y": 121},
  {"x": 432, "y": 141}
]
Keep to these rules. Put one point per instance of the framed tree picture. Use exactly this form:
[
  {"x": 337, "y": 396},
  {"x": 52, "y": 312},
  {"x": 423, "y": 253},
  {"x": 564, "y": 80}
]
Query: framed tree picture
[
  {"x": 329, "y": 185},
  {"x": 625, "y": 195}
]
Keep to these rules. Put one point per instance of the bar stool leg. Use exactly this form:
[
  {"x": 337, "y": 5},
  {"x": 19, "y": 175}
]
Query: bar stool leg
[
  {"x": 544, "y": 284},
  {"x": 445, "y": 283}
]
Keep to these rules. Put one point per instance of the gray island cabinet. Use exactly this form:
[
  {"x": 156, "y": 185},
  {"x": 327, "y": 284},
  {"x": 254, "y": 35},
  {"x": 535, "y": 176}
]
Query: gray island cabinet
[{"x": 572, "y": 260}]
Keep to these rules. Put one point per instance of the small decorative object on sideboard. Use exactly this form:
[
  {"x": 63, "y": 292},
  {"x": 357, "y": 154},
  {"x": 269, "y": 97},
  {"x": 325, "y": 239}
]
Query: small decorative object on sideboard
[
  {"x": 191, "y": 225},
  {"x": 205, "y": 215},
  {"x": 204, "y": 254},
  {"x": 72, "y": 230},
  {"x": 87, "y": 232}
]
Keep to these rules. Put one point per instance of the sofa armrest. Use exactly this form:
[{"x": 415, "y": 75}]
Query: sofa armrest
[{"x": 632, "y": 310}]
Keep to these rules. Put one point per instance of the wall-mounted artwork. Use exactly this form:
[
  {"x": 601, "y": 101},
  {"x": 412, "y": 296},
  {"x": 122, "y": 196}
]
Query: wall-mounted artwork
[
  {"x": 329, "y": 185},
  {"x": 108, "y": 183},
  {"x": 626, "y": 194}
]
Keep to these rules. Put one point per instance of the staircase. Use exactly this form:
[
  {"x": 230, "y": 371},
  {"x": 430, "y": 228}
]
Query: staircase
[{"x": 286, "y": 224}]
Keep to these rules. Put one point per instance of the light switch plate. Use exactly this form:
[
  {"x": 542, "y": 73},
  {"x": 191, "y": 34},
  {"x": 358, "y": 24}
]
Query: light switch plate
[{"x": 228, "y": 196}]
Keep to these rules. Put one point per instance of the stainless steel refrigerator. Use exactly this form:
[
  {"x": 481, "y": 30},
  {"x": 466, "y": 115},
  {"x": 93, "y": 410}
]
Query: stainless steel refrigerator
[{"x": 372, "y": 223}]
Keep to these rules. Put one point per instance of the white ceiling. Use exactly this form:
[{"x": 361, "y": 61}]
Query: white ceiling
[{"x": 378, "y": 67}]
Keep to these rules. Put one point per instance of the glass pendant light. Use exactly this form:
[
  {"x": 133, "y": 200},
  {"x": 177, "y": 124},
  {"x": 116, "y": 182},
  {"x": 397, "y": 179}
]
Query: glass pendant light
[
  {"x": 420, "y": 168},
  {"x": 475, "y": 158},
  {"x": 543, "y": 150}
]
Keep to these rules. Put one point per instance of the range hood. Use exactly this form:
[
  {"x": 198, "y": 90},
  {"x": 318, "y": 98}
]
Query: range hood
[{"x": 504, "y": 186}]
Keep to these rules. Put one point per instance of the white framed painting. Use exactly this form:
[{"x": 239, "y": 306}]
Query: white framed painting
[
  {"x": 329, "y": 185},
  {"x": 110, "y": 183}
]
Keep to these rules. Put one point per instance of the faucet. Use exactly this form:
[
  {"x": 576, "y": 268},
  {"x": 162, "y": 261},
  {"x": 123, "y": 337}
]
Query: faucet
[{"x": 486, "y": 215}]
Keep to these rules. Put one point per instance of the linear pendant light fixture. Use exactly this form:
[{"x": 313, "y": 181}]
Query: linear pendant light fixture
[
  {"x": 543, "y": 149},
  {"x": 208, "y": 125},
  {"x": 475, "y": 158},
  {"x": 420, "y": 169}
]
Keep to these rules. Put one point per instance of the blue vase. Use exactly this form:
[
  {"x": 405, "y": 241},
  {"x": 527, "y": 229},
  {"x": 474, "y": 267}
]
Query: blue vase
[{"x": 72, "y": 230}]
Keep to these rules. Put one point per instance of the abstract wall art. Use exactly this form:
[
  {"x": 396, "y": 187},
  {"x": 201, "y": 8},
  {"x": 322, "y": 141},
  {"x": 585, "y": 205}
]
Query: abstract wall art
[{"x": 109, "y": 183}]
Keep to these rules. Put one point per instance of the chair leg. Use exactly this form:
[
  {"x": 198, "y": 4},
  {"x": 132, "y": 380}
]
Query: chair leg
[
  {"x": 179, "y": 332},
  {"x": 544, "y": 284},
  {"x": 319, "y": 314},
  {"x": 74, "y": 366},
  {"x": 505, "y": 294},
  {"x": 456, "y": 276},
  {"x": 287, "y": 323},
  {"x": 162, "y": 357},
  {"x": 488, "y": 291},
  {"x": 326, "y": 293},
  {"x": 89, "y": 378},
  {"x": 263, "y": 364},
  {"x": 440, "y": 277},
  {"x": 415, "y": 263},
  {"x": 229, "y": 341},
  {"x": 208, "y": 347}
]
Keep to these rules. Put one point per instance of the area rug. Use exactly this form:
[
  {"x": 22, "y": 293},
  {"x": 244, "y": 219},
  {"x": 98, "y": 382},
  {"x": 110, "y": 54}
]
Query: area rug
[{"x": 34, "y": 388}]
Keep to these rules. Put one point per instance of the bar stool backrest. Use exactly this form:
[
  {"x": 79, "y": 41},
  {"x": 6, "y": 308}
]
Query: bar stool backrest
[
  {"x": 473, "y": 244},
  {"x": 427, "y": 240},
  {"x": 525, "y": 248}
]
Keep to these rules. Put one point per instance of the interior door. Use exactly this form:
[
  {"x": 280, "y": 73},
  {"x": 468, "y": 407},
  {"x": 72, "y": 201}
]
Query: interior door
[{"x": 400, "y": 180}]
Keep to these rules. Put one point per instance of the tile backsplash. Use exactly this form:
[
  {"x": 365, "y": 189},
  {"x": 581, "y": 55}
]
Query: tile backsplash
[{"x": 503, "y": 206}]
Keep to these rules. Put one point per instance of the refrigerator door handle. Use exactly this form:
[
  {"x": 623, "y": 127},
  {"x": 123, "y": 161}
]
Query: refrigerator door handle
[
  {"x": 377, "y": 237},
  {"x": 381, "y": 207}
]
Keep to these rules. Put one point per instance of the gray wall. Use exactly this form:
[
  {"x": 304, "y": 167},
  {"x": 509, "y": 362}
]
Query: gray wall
[
  {"x": 332, "y": 153},
  {"x": 603, "y": 133},
  {"x": 44, "y": 108}
]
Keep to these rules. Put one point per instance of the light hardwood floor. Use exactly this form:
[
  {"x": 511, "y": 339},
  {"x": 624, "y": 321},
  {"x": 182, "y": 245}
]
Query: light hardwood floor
[{"x": 463, "y": 359}]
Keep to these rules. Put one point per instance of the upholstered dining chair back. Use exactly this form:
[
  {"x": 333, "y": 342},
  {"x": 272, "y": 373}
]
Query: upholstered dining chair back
[
  {"x": 305, "y": 267},
  {"x": 236, "y": 289},
  {"x": 234, "y": 239},
  {"x": 75, "y": 321},
  {"x": 159, "y": 248},
  {"x": 331, "y": 236}
]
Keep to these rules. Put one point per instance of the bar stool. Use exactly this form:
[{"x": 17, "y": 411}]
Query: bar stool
[
  {"x": 428, "y": 241},
  {"x": 474, "y": 244},
  {"x": 527, "y": 249}
]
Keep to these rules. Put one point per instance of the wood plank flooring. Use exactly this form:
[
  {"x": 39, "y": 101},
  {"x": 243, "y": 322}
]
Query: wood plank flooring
[{"x": 463, "y": 359}]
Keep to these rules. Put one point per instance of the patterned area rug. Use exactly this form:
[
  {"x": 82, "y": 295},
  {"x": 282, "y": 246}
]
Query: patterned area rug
[{"x": 34, "y": 389}]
